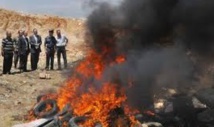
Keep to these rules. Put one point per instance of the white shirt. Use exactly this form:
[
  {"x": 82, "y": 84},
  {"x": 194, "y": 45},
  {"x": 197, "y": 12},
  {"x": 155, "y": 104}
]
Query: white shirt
[
  {"x": 36, "y": 43},
  {"x": 62, "y": 41}
]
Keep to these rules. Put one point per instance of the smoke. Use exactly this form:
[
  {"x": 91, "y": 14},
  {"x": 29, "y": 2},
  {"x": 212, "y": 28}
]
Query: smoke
[
  {"x": 197, "y": 21},
  {"x": 144, "y": 74},
  {"x": 155, "y": 36},
  {"x": 151, "y": 21}
]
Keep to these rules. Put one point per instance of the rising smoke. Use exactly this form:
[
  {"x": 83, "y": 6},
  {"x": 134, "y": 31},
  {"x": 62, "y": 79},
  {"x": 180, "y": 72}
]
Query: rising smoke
[
  {"x": 147, "y": 22},
  {"x": 155, "y": 36}
]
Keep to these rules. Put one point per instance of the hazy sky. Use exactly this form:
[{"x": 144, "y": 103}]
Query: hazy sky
[{"x": 69, "y": 8}]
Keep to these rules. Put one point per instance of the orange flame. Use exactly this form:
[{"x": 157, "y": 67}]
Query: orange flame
[
  {"x": 120, "y": 59},
  {"x": 87, "y": 99}
]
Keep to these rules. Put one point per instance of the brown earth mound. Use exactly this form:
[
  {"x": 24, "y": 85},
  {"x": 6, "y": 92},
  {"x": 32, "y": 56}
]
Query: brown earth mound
[{"x": 14, "y": 21}]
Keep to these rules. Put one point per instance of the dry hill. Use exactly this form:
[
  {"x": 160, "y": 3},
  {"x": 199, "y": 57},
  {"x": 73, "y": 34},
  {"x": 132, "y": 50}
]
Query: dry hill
[{"x": 13, "y": 21}]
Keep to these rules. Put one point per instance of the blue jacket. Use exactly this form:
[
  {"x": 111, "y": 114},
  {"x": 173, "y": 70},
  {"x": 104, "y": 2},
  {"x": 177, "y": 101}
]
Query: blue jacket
[{"x": 50, "y": 43}]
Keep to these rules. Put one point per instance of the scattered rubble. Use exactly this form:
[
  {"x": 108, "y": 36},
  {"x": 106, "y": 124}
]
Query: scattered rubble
[{"x": 206, "y": 96}]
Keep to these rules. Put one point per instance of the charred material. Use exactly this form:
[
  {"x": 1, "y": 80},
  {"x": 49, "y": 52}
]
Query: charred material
[
  {"x": 187, "y": 111},
  {"x": 46, "y": 109},
  {"x": 118, "y": 118},
  {"x": 206, "y": 117},
  {"x": 206, "y": 96}
]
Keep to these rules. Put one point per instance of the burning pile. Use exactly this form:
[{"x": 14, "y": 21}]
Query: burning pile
[
  {"x": 139, "y": 48},
  {"x": 85, "y": 98}
]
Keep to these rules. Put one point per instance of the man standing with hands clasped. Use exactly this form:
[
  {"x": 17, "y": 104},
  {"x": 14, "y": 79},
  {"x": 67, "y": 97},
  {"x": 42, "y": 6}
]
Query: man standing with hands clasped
[
  {"x": 50, "y": 45},
  {"x": 7, "y": 52},
  {"x": 35, "y": 42},
  {"x": 24, "y": 48},
  {"x": 60, "y": 47}
]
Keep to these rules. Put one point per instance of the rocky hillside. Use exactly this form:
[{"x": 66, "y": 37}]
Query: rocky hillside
[{"x": 14, "y": 21}]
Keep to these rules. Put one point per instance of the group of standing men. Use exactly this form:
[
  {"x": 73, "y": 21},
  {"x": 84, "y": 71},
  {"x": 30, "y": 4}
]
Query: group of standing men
[{"x": 20, "y": 47}]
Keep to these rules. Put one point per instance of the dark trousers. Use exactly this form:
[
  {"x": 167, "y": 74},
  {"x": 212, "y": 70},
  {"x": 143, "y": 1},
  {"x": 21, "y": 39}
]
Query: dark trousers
[
  {"x": 34, "y": 60},
  {"x": 16, "y": 59},
  {"x": 50, "y": 58},
  {"x": 61, "y": 51},
  {"x": 23, "y": 61},
  {"x": 7, "y": 63}
]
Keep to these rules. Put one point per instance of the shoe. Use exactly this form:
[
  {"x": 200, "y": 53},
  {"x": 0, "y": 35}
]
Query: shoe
[
  {"x": 65, "y": 66},
  {"x": 33, "y": 69},
  {"x": 47, "y": 68}
]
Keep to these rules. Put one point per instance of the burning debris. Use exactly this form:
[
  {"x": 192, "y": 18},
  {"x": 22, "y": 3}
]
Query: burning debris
[
  {"x": 138, "y": 48},
  {"x": 88, "y": 103},
  {"x": 178, "y": 111}
]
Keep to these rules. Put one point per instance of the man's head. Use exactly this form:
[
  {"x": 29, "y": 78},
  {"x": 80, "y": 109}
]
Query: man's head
[
  {"x": 25, "y": 33},
  {"x": 58, "y": 32},
  {"x": 8, "y": 34},
  {"x": 35, "y": 32},
  {"x": 20, "y": 33},
  {"x": 51, "y": 32}
]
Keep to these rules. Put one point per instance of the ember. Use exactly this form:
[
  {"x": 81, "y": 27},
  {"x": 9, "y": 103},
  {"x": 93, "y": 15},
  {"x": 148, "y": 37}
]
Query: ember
[{"x": 149, "y": 113}]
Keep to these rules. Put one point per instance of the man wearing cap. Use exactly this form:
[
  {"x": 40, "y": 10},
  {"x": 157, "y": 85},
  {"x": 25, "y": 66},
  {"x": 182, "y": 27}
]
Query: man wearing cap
[
  {"x": 50, "y": 45},
  {"x": 7, "y": 53},
  {"x": 35, "y": 42},
  {"x": 24, "y": 49},
  {"x": 60, "y": 47}
]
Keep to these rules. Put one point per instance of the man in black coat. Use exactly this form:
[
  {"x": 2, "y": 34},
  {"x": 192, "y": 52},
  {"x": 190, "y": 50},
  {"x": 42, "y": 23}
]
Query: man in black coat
[
  {"x": 50, "y": 46},
  {"x": 7, "y": 53},
  {"x": 24, "y": 49},
  {"x": 35, "y": 42}
]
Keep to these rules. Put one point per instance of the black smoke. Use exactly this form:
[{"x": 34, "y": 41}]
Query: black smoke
[
  {"x": 155, "y": 36},
  {"x": 148, "y": 22}
]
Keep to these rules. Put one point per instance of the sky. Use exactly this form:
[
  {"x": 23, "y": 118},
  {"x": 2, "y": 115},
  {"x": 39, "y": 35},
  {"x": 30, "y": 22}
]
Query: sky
[{"x": 65, "y": 8}]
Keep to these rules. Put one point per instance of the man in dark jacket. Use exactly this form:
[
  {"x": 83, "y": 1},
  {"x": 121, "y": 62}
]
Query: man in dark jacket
[
  {"x": 16, "y": 50},
  {"x": 7, "y": 53},
  {"x": 35, "y": 42},
  {"x": 50, "y": 45},
  {"x": 24, "y": 49}
]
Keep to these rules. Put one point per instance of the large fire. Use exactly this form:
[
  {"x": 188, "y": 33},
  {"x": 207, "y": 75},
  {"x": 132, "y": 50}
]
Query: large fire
[{"x": 94, "y": 100}]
